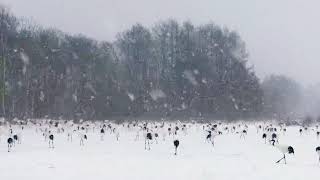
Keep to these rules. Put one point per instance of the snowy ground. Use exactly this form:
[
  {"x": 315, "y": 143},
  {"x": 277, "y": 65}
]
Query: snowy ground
[{"x": 232, "y": 158}]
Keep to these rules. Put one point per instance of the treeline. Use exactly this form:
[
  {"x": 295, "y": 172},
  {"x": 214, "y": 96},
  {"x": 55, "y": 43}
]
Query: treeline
[{"x": 171, "y": 70}]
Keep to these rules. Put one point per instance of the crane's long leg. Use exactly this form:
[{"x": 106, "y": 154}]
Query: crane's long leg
[{"x": 284, "y": 157}]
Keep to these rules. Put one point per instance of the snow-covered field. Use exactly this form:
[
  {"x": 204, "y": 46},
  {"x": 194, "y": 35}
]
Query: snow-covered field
[{"x": 126, "y": 159}]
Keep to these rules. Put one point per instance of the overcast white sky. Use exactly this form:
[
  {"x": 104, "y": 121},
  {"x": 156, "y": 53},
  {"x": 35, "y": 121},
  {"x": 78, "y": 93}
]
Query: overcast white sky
[{"x": 282, "y": 36}]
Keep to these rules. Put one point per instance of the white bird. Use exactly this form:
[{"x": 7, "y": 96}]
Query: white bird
[
  {"x": 285, "y": 150},
  {"x": 318, "y": 151},
  {"x": 176, "y": 142},
  {"x": 10, "y": 142},
  {"x": 82, "y": 135}
]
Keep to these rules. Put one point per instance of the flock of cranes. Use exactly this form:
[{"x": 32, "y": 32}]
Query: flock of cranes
[{"x": 151, "y": 132}]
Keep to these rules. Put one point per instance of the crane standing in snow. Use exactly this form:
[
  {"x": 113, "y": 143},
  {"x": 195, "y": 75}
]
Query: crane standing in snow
[
  {"x": 318, "y": 151},
  {"x": 243, "y": 134},
  {"x": 83, "y": 136},
  {"x": 148, "y": 138},
  {"x": 102, "y": 132},
  {"x": 284, "y": 149},
  {"x": 51, "y": 138},
  {"x": 274, "y": 138},
  {"x": 210, "y": 138},
  {"x": 176, "y": 142},
  {"x": 264, "y": 136},
  {"x": 10, "y": 143},
  {"x": 284, "y": 130}
]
